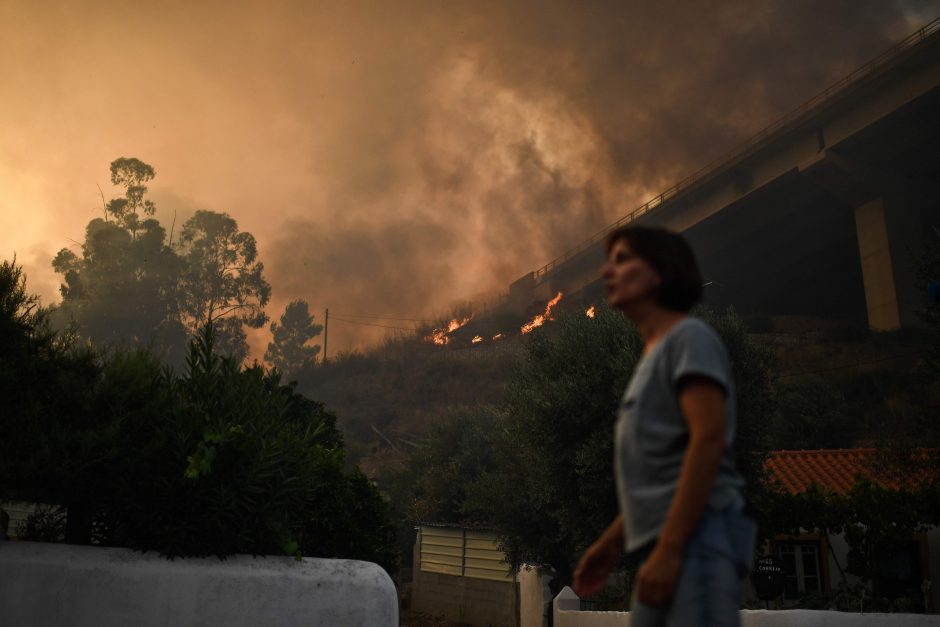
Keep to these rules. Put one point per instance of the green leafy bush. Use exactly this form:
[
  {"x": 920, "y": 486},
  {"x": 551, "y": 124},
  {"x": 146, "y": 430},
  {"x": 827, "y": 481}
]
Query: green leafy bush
[
  {"x": 43, "y": 524},
  {"x": 222, "y": 460},
  {"x": 552, "y": 489}
]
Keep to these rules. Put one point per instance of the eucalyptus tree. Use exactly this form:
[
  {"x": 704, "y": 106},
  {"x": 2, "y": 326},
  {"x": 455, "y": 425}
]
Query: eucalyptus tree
[
  {"x": 131, "y": 285},
  {"x": 122, "y": 287},
  {"x": 222, "y": 283}
]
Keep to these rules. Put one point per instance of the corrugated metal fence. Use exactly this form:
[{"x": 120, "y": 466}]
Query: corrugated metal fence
[{"x": 462, "y": 552}]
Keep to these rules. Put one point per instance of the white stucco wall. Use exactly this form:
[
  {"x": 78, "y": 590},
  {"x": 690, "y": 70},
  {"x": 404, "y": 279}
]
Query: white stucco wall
[
  {"x": 534, "y": 596},
  {"x": 74, "y": 586},
  {"x": 840, "y": 551},
  {"x": 566, "y": 614}
]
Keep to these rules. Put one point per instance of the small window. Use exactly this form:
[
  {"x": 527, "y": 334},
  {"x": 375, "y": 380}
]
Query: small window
[{"x": 802, "y": 566}]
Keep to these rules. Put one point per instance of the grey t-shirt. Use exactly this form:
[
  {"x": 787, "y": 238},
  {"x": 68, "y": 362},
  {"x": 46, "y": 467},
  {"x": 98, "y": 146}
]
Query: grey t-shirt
[{"x": 651, "y": 435}]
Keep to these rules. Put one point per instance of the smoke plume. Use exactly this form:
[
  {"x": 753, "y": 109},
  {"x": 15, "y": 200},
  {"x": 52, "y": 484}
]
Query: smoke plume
[{"x": 395, "y": 158}]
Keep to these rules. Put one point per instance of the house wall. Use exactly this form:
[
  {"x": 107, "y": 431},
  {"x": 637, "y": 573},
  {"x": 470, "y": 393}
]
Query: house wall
[
  {"x": 840, "y": 552},
  {"x": 930, "y": 565}
]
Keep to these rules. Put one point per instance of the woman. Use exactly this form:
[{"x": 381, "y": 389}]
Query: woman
[{"x": 679, "y": 493}]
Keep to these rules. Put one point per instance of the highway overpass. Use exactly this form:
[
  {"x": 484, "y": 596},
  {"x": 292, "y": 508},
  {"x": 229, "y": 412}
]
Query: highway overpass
[{"x": 818, "y": 215}]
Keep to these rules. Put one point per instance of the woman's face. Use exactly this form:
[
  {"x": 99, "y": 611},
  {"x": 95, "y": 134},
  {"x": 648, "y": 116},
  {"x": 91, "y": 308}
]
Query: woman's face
[{"x": 628, "y": 278}]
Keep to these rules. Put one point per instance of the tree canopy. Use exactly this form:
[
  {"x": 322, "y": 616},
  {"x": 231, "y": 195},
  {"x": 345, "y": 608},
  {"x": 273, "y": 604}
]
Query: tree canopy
[
  {"x": 123, "y": 287},
  {"x": 539, "y": 467},
  {"x": 289, "y": 351},
  {"x": 131, "y": 174},
  {"x": 131, "y": 285},
  {"x": 222, "y": 282},
  {"x": 222, "y": 459}
]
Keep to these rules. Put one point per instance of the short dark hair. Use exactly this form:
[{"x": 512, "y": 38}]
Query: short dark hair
[{"x": 671, "y": 256}]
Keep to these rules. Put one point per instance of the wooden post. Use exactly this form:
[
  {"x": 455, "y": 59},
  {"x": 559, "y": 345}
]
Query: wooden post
[{"x": 326, "y": 332}]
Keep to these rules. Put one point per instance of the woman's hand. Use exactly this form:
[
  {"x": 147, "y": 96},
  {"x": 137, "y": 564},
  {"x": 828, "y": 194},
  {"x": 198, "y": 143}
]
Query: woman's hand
[
  {"x": 658, "y": 576},
  {"x": 597, "y": 562},
  {"x": 591, "y": 574}
]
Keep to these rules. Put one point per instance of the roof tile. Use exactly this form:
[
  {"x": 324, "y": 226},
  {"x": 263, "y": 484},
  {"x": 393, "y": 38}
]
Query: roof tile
[{"x": 834, "y": 469}]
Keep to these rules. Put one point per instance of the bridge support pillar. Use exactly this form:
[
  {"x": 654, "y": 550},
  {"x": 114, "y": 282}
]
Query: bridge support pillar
[
  {"x": 889, "y": 209},
  {"x": 890, "y": 229},
  {"x": 874, "y": 249}
]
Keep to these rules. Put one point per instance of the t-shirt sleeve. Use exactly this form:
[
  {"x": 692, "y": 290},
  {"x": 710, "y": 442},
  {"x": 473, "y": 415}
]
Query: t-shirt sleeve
[{"x": 698, "y": 351}]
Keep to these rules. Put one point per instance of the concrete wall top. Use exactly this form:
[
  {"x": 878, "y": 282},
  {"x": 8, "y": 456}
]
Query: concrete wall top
[
  {"x": 567, "y": 615},
  {"x": 58, "y": 584}
]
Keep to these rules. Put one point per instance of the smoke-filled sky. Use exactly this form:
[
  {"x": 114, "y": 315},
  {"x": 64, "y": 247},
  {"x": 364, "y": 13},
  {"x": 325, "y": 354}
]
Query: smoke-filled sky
[{"x": 394, "y": 157}]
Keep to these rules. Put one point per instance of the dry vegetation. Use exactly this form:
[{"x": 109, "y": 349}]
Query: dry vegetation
[{"x": 386, "y": 397}]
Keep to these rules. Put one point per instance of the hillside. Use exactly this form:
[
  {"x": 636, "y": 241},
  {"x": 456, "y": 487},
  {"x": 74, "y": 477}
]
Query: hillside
[
  {"x": 861, "y": 385},
  {"x": 385, "y": 398}
]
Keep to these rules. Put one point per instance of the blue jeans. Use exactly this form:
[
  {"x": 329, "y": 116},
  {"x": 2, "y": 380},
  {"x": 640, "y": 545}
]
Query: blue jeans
[{"x": 715, "y": 560}]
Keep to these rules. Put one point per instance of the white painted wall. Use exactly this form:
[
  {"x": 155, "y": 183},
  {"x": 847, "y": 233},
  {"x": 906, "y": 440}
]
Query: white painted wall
[
  {"x": 566, "y": 614},
  {"x": 77, "y": 586},
  {"x": 534, "y": 596}
]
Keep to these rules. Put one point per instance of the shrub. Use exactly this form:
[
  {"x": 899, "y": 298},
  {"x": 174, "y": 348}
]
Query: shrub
[
  {"x": 43, "y": 524},
  {"x": 240, "y": 463},
  {"x": 221, "y": 460}
]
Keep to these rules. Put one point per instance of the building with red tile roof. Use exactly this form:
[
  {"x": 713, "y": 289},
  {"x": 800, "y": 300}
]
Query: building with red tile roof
[
  {"x": 814, "y": 563},
  {"x": 837, "y": 470}
]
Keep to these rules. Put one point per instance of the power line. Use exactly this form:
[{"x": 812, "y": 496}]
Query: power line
[
  {"x": 369, "y": 324},
  {"x": 385, "y": 318}
]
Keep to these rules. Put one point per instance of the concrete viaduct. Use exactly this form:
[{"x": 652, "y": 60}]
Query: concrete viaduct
[{"x": 819, "y": 215}]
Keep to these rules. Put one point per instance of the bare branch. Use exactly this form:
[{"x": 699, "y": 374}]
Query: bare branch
[
  {"x": 104, "y": 205},
  {"x": 173, "y": 226},
  {"x": 230, "y": 310}
]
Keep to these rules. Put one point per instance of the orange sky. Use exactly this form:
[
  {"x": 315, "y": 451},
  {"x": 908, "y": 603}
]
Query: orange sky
[{"x": 394, "y": 158}]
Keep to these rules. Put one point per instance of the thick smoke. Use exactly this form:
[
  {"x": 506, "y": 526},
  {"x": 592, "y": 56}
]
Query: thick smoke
[
  {"x": 396, "y": 158},
  {"x": 531, "y": 125}
]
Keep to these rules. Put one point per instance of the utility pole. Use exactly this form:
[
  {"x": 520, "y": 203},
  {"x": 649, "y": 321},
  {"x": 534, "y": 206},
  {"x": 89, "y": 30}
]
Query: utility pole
[{"x": 326, "y": 332}]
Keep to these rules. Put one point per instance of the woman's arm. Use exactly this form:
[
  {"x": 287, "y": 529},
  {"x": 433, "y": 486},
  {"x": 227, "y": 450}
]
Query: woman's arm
[
  {"x": 702, "y": 402},
  {"x": 596, "y": 563}
]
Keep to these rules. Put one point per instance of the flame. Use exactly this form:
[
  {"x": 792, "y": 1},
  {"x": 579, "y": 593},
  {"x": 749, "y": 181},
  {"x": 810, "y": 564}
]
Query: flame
[
  {"x": 477, "y": 339},
  {"x": 590, "y": 312},
  {"x": 540, "y": 319},
  {"x": 497, "y": 336},
  {"x": 439, "y": 336},
  {"x": 455, "y": 324}
]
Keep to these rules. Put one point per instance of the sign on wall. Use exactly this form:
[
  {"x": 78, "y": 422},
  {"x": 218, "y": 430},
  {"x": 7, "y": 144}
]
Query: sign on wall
[{"x": 769, "y": 578}]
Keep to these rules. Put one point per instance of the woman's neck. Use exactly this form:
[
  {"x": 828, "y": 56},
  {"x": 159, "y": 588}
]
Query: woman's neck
[{"x": 653, "y": 322}]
